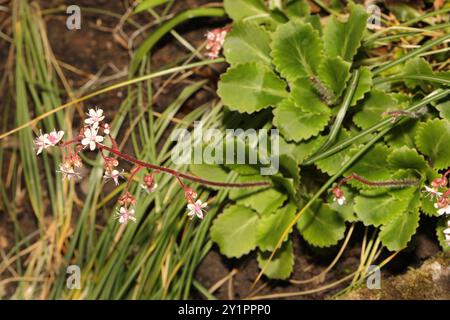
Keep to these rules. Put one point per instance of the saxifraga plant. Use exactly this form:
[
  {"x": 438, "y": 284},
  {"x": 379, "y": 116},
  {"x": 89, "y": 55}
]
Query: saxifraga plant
[
  {"x": 379, "y": 125},
  {"x": 335, "y": 110}
]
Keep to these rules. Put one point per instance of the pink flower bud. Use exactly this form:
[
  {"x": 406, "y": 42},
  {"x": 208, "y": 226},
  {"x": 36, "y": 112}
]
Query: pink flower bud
[{"x": 439, "y": 182}]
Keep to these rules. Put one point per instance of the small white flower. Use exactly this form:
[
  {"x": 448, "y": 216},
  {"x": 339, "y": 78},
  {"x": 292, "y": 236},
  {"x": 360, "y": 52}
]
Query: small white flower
[
  {"x": 68, "y": 172},
  {"x": 431, "y": 192},
  {"x": 106, "y": 128},
  {"x": 447, "y": 231},
  {"x": 113, "y": 175},
  {"x": 443, "y": 210},
  {"x": 95, "y": 116},
  {"x": 340, "y": 201},
  {"x": 44, "y": 141},
  {"x": 54, "y": 137},
  {"x": 91, "y": 138},
  {"x": 149, "y": 189},
  {"x": 339, "y": 195},
  {"x": 124, "y": 215},
  {"x": 197, "y": 209},
  {"x": 40, "y": 143}
]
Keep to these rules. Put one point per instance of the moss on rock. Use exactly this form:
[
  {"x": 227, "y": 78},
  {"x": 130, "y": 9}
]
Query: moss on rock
[{"x": 429, "y": 282}]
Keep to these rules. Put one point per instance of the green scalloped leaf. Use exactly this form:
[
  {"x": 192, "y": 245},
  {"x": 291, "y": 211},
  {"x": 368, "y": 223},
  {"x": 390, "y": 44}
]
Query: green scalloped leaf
[
  {"x": 303, "y": 115},
  {"x": 282, "y": 264},
  {"x": 296, "y": 50},
  {"x": 271, "y": 227},
  {"x": 334, "y": 72},
  {"x": 432, "y": 139},
  {"x": 251, "y": 87},
  {"x": 364, "y": 84},
  {"x": 417, "y": 66},
  {"x": 299, "y": 123},
  {"x": 376, "y": 207},
  {"x": 234, "y": 231},
  {"x": 240, "y": 9},
  {"x": 373, "y": 108},
  {"x": 444, "y": 110},
  {"x": 321, "y": 226},
  {"x": 247, "y": 42},
  {"x": 396, "y": 234},
  {"x": 343, "y": 39},
  {"x": 264, "y": 202},
  {"x": 407, "y": 158}
]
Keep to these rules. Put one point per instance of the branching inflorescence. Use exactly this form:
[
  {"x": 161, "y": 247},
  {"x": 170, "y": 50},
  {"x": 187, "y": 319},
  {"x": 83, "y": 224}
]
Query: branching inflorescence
[
  {"x": 438, "y": 191},
  {"x": 92, "y": 137},
  {"x": 339, "y": 195}
]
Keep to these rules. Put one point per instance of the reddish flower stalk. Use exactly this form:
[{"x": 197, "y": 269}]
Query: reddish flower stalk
[
  {"x": 339, "y": 195},
  {"x": 90, "y": 137},
  {"x": 386, "y": 183},
  {"x": 411, "y": 114}
]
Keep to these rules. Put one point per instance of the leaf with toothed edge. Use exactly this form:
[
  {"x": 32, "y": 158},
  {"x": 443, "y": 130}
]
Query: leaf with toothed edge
[
  {"x": 396, "y": 234},
  {"x": 416, "y": 66},
  {"x": 235, "y": 231},
  {"x": 282, "y": 264},
  {"x": 321, "y": 226},
  {"x": 265, "y": 201},
  {"x": 432, "y": 139},
  {"x": 407, "y": 158},
  {"x": 251, "y": 87},
  {"x": 444, "y": 110},
  {"x": 303, "y": 115},
  {"x": 247, "y": 42},
  {"x": 334, "y": 72},
  {"x": 296, "y": 50},
  {"x": 271, "y": 227},
  {"x": 377, "y": 207},
  {"x": 343, "y": 39}
]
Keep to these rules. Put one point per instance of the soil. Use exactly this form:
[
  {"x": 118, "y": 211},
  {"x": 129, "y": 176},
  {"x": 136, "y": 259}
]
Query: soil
[{"x": 94, "y": 49}]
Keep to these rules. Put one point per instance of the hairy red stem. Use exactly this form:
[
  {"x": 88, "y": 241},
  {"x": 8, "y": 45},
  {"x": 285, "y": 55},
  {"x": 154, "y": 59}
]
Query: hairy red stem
[{"x": 378, "y": 183}]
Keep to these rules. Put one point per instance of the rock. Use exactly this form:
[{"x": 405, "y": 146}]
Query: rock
[{"x": 429, "y": 282}]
